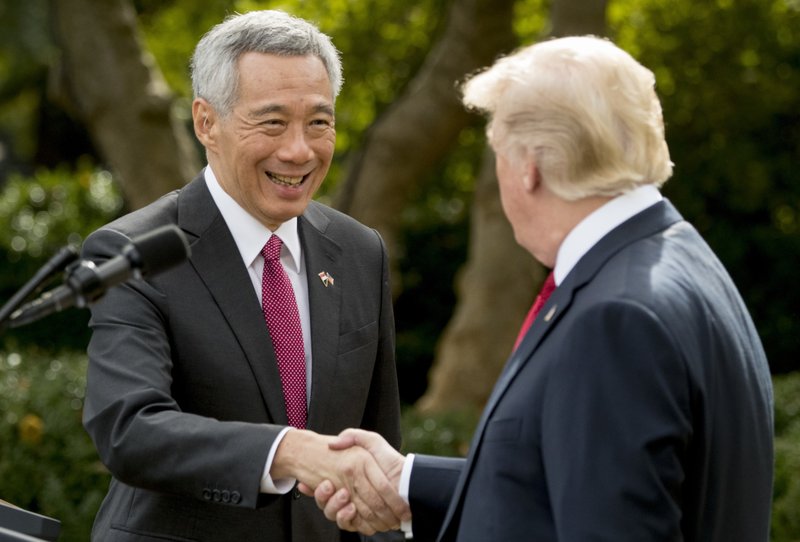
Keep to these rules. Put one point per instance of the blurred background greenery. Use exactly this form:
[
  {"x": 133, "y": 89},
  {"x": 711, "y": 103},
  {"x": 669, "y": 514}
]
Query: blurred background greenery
[{"x": 728, "y": 74}]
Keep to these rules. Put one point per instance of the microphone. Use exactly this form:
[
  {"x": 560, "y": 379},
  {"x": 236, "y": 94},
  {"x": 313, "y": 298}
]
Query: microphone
[
  {"x": 57, "y": 263},
  {"x": 86, "y": 282}
]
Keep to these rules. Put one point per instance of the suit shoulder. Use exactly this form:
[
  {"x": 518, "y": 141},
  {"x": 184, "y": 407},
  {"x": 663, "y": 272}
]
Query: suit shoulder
[
  {"x": 317, "y": 210},
  {"x": 339, "y": 225},
  {"x": 159, "y": 213}
]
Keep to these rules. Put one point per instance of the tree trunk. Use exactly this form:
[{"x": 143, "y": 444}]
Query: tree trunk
[
  {"x": 495, "y": 289},
  {"x": 406, "y": 141},
  {"x": 116, "y": 89},
  {"x": 500, "y": 279}
]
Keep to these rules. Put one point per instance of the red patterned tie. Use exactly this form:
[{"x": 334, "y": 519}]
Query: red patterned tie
[
  {"x": 283, "y": 320},
  {"x": 547, "y": 289}
]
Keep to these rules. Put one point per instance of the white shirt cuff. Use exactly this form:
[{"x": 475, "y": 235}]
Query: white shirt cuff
[
  {"x": 282, "y": 485},
  {"x": 405, "y": 483}
]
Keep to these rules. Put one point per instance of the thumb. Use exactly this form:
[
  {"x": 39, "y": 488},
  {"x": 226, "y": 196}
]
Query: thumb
[{"x": 355, "y": 437}]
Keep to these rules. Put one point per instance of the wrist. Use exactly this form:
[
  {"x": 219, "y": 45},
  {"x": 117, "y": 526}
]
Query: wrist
[{"x": 289, "y": 461}]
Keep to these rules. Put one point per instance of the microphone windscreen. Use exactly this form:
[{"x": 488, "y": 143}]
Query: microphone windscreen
[{"x": 160, "y": 249}]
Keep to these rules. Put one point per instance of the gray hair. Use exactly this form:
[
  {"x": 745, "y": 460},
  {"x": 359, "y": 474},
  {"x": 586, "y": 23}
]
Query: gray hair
[
  {"x": 583, "y": 109},
  {"x": 215, "y": 69}
]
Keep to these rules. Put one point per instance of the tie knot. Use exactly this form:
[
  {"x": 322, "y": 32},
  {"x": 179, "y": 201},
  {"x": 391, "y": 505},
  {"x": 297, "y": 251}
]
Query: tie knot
[{"x": 272, "y": 250}]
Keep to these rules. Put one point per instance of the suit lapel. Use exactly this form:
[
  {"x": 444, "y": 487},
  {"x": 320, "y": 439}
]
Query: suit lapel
[
  {"x": 321, "y": 255},
  {"x": 217, "y": 261},
  {"x": 644, "y": 224}
]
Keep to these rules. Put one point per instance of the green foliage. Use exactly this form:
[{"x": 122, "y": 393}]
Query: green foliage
[
  {"x": 383, "y": 43},
  {"x": 43, "y": 213},
  {"x": 531, "y": 19},
  {"x": 53, "y": 206},
  {"x": 786, "y": 502},
  {"x": 727, "y": 73},
  {"x": 25, "y": 48},
  {"x": 48, "y": 464},
  {"x": 172, "y": 29},
  {"x": 446, "y": 434}
]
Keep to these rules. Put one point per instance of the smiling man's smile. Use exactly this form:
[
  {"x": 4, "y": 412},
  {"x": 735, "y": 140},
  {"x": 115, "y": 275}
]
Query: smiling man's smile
[{"x": 284, "y": 180}]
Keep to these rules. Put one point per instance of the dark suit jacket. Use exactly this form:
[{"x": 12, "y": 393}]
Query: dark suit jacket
[
  {"x": 637, "y": 408},
  {"x": 184, "y": 398}
]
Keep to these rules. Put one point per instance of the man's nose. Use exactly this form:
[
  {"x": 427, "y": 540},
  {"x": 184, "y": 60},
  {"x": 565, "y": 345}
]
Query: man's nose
[{"x": 294, "y": 146}]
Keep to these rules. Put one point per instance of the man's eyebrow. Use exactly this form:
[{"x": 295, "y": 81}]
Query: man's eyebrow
[
  {"x": 267, "y": 109},
  {"x": 324, "y": 108},
  {"x": 278, "y": 108}
]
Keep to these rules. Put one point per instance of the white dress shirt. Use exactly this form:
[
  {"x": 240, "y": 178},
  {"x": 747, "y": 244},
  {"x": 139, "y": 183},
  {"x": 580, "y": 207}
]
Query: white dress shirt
[
  {"x": 576, "y": 244},
  {"x": 250, "y": 236}
]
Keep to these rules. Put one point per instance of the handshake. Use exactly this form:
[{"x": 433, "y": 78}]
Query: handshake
[{"x": 354, "y": 477}]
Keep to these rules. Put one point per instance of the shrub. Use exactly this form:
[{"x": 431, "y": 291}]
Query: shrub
[
  {"x": 45, "y": 212},
  {"x": 786, "y": 496},
  {"x": 447, "y": 434},
  {"x": 48, "y": 464}
]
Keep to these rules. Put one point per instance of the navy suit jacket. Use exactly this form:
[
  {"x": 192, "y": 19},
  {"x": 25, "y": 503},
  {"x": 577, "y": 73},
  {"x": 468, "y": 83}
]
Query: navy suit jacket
[
  {"x": 637, "y": 408},
  {"x": 184, "y": 398}
]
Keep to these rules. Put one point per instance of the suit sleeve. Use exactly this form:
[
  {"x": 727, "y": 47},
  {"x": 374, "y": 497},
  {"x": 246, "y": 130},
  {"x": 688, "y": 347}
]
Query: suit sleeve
[
  {"x": 139, "y": 430},
  {"x": 433, "y": 481},
  {"x": 616, "y": 426}
]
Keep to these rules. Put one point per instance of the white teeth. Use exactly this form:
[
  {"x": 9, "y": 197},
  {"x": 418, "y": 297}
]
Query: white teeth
[{"x": 286, "y": 181}]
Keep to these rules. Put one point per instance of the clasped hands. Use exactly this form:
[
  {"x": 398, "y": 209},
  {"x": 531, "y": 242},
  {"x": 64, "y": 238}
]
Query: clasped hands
[{"x": 354, "y": 477}]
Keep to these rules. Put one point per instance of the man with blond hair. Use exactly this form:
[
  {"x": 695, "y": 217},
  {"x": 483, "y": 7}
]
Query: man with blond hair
[{"x": 637, "y": 405}]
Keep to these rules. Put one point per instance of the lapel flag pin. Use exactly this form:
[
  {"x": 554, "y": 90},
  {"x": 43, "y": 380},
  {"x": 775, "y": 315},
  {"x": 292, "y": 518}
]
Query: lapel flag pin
[
  {"x": 326, "y": 278},
  {"x": 550, "y": 314}
]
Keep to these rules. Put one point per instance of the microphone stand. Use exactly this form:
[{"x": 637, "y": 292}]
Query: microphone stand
[
  {"x": 18, "y": 524},
  {"x": 57, "y": 263}
]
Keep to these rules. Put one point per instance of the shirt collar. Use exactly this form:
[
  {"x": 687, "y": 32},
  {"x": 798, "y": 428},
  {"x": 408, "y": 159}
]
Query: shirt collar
[
  {"x": 599, "y": 223},
  {"x": 249, "y": 234}
]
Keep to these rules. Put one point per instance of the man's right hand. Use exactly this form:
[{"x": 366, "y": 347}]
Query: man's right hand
[
  {"x": 338, "y": 505},
  {"x": 370, "y": 489}
]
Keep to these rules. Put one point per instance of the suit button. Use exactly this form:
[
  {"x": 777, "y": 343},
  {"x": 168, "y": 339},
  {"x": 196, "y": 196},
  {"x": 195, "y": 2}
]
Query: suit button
[
  {"x": 207, "y": 494},
  {"x": 235, "y": 497},
  {"x": 216, "y": 495},
  {"x": 226, "y": 496},
  {"x": 296, "y": 493}
]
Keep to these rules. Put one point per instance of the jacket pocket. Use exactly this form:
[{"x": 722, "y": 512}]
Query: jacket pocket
[{"x": 358, "y": 338}]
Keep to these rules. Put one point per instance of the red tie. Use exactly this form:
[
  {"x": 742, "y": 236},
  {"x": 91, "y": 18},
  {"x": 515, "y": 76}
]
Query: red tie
[
  {"x": 547, "y": 289},
  {"x": 283, "y": 320}
]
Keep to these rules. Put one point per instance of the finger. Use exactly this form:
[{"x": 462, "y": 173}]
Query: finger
[
  {"x": 376, "y": 499},
  {"x": 323, "y": 493},
  {"x": 382, "y": 492},
  {"x": 333, "y": 505},
  {"x": 348, "y": 519},
  {"x": 305, "y": 490}
]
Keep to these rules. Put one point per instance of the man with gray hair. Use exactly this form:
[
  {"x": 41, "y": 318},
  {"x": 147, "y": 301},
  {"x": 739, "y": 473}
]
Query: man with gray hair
[
  {"x": 637, "y": 404},
  {"x": 211, "y": 387}
]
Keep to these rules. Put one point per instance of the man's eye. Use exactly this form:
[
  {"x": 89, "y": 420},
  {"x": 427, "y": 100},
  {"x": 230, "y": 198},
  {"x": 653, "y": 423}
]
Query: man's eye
[{"x": 321, "y": 123}]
